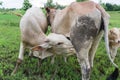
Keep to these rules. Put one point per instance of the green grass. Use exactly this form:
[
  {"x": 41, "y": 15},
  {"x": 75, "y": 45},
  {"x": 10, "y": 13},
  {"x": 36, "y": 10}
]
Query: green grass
[
  {"x": 9, "y": 48},
  {"x": 7, "y": 19},
  {"x": 114, "y": 19}
]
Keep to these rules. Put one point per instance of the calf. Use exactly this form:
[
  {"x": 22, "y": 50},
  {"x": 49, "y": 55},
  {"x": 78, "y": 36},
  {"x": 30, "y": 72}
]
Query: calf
[
  {"x": 114, "y": 41},
  {"x": 33, "y": 26}
]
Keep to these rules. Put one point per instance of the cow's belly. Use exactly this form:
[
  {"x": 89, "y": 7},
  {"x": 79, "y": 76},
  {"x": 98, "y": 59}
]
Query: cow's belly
[{"x": 30, "y": 38}]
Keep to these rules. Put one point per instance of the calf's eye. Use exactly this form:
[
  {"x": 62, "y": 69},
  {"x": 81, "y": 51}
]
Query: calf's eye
[{"x": 59, "y": 43}]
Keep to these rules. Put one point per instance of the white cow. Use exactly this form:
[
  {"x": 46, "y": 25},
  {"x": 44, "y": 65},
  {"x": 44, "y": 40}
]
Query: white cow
[
  {"x": 85, "y": 23},
  {"x": 33, "y": 26},
  {"x": 114, "y": 41}
]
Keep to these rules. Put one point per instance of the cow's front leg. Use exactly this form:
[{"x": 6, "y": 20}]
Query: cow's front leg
[{"x": 20, "y": 58}]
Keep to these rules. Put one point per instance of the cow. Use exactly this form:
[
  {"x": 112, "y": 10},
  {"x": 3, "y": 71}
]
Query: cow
[
  {"x": 114, "y": 41},
  {"x": 33, "y": 26},
  {"x": 84, "y": 23}
]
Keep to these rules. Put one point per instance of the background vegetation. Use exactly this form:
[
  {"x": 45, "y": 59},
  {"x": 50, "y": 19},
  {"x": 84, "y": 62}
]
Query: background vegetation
[
  {"x": 107, "y": 6},
  {"x": 29, "y": 69}
]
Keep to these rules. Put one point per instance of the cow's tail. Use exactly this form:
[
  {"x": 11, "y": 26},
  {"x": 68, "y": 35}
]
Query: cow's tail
[
  {"x": 107, "y": 41},
  {"x": 17, "y": 14},
  {"x": 105, "y": 18},
  {"x": 115, "y": 74}
]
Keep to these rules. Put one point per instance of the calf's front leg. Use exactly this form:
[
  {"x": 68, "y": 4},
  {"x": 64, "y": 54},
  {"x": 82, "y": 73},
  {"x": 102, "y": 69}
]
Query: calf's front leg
[{"x": 113, "y": 52}]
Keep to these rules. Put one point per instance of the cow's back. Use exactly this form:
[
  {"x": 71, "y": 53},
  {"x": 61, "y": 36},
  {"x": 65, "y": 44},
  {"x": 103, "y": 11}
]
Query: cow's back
[
  {"x": 61, "y": 23},
  {"x": 33, "y": 25},
  {"x": 65, "y": 18}
]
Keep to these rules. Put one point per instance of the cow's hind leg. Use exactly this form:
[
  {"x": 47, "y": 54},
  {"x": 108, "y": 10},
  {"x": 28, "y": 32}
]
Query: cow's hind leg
[
  {"x": 83, "y": 59},
  {"x": 94, "y": 47},
  {"x": 82, "y": 35},
  {"x": 20, "y": 58}
]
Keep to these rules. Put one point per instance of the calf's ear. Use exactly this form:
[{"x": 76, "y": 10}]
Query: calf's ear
[
  {"x": 111, "y": 31},
  {"x": 41, "y": 46},
  {"x": 37, "y": 48}
]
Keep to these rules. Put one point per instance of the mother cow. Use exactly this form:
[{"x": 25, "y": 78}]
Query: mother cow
[{"x": 84, "y": 23}]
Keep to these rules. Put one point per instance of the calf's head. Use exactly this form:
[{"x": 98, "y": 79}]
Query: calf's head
[
  {"x": 56, "y": 44},
  {"x": 114, "y": 35}
]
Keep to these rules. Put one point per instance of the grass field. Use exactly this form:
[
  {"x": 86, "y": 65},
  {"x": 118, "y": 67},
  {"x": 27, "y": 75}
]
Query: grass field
[{"x": 9, "y": 48}]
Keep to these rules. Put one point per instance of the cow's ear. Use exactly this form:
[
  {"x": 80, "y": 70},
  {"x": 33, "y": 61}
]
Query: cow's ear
[
  {"x": 37, "y": 48},
  {"x": 47, "y": 9}
]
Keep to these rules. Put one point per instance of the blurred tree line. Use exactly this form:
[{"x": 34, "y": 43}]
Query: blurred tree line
[
  {"x": 107, "y": 6},
  {"x": 1, "y": 2},
  {"x": 26, "y": 5},
  {"x": 53, "y": 5},
  {"x": 111, "y": 7}
]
